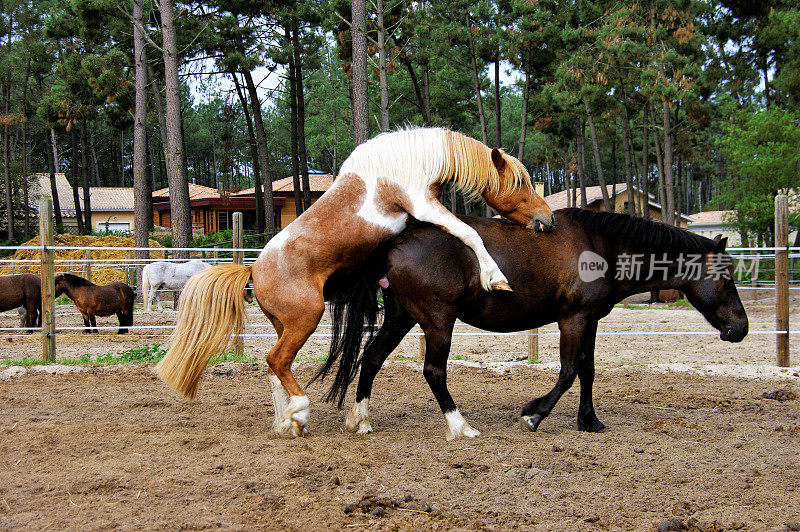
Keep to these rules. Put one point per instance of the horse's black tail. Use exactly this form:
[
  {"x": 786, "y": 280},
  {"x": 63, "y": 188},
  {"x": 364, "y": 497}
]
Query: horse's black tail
[{"x": 354, "y": 308}]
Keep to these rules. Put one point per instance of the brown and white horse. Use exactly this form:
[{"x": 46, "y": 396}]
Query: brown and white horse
[{"x": 382, "y": 183}]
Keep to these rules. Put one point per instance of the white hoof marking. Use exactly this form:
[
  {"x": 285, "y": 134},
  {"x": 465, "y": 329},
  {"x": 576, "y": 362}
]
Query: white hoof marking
[
  {"x": 457, "y": 426},
  {"x": 357, "y": 419}
]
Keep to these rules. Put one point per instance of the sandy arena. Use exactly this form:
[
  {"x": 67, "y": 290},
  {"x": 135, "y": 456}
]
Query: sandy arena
[{"x": 696, "y": 432}]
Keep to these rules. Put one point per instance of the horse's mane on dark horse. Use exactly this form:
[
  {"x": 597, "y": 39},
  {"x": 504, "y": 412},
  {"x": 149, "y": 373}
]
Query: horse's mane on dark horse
[
  {"x": 637, "y": 230},
  {"x": 75, "y": 280}
]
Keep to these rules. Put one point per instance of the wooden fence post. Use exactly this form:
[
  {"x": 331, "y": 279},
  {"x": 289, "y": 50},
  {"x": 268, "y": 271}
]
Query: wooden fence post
[
  {"x": 48, "y": 283},
  {"x": 533, "y": 346},
  {"x": 87, "y": 270},
  {"x": 238, "y": 258},
  {"x": 782, "y": 278}
]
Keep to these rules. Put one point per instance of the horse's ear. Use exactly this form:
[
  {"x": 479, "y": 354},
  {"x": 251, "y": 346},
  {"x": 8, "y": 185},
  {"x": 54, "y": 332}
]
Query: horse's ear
[
  {"x": 497, "y": 159},
  {"x": 720, "y": 243}
]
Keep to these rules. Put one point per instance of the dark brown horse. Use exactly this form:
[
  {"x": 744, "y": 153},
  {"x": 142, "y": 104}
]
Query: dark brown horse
[
  {"x": 572, "y": 276},
  {"x": 95, "y": 300},
  {"x": 22, "y": 290}
]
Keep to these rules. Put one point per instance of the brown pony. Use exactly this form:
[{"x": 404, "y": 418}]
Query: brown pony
[
  {"x": 95, "y": 300},
  {"x": 385, "y": 181},
  {"x": 22, "y": 290}
]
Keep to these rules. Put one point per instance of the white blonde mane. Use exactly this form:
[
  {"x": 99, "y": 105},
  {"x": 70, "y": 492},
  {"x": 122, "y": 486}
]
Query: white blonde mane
[{"x": 421, "y": 157}]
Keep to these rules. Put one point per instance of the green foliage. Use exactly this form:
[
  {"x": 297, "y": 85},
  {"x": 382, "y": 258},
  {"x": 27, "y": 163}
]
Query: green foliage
[
  {"x": 763, "y": 150},
  {"x": 149, "y": 354}
]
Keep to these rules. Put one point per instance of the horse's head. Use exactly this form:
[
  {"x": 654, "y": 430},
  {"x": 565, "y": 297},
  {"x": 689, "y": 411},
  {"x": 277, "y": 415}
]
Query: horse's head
[
  {"x": 248, "y": 294},
  {"x": 517, "y": 200},
  {"x": 714, "y": 294},
  {"x": 61, "y": 284}
]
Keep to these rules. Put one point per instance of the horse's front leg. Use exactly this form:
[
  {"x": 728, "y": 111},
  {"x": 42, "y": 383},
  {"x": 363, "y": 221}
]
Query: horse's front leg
[
  {"x": 573, "y": 332},
  {"x": 86, "y": 323},
  {"x": 93, "y": 321},
  {"x": 437, "y": 349},
  {"x": 587, "y": 418},
  {"x": 432, "y": 211}
]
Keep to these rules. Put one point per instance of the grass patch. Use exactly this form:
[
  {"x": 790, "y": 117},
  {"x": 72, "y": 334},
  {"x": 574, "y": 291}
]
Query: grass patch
[
  {"x": 460, "y": 357},
  {"x": 149, "y": 354}
]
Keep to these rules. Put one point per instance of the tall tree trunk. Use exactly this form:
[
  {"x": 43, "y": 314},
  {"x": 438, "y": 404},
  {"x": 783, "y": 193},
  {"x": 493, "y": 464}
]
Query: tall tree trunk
[
  {"x": 645, "y": 203},
  {"x": 25, "y": 201},
  {"x": 669, "y": 190},
  {"x": 382, "y": 81},
  {"x": 75, "y": 182},
  {"x": 261, "y": 138},
  {"x": 295, "y": 147},
  {"x": 426, "y": 94},
  {"x": 626, "y": 149},
  {"x": 526, "y": 93},
  {"x": 95, "y": 165},
  {"x": 497, "y": 102},
  {"x": 51, "y": 167},
  {"x": 476, "y": 83},
  {"x": 579, "y": 134},
  {"x": 142, "y": 195},
  {"x": 54, "y": 146},
  {"x": 85, "y": 178},
  {"x": 251, "y": 136},
  {"x": 415, "y": 83},
  {"x": 6, "y": 164},
  {"x": 176, "y": 171},
  {"x": 299, "y": 94},
  {"x": 660, "y": 164},
  {"x": 614, "y": 173},
  {"x": 598, "y": 164},
  {"x": 360, "y": 102}
]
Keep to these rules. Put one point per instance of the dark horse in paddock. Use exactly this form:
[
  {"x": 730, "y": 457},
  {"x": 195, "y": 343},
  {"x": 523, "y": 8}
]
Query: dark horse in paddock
[
  {"x": 573, "y": 276},
  {"x": 95, "y": 300},
  {"x": 22, "y": 290}
]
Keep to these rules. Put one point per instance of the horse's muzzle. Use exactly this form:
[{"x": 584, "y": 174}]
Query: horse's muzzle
[
  {"x": 734, "y": 333},
  {"x": 543, "y": 225}
]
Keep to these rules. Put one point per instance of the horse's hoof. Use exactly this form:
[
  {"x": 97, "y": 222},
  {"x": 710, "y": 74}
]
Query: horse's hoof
[
  {"x": 298, "y": 429},
  {"x": 594, "y": 426},
  {"x": 501, "y": 285},
  {"x": 531, "y": 423},
  {"x": 466, "y": 432}
]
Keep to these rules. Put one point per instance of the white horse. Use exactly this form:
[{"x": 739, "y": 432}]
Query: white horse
[{"x": 167, "y": 275}]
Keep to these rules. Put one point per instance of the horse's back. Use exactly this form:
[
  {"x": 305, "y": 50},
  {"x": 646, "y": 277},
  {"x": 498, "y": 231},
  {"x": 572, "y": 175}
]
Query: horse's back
[{"x": 19, "y": 290}]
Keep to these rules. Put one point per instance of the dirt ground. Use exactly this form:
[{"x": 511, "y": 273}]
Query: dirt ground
[{"x": 113, "y": 448}]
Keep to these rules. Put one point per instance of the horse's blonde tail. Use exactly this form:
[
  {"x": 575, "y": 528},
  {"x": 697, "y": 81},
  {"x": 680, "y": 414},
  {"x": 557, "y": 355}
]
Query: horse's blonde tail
[
  {"x": 146, "y": 286},
  {"x": 211, "y": 309}
]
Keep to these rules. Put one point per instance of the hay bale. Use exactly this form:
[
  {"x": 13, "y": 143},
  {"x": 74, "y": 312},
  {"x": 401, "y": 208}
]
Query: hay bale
[{"x": 102, "y": 272}]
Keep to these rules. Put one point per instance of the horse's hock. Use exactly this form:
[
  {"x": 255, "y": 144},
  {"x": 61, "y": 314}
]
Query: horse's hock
[{"x": 106, "y": 265}]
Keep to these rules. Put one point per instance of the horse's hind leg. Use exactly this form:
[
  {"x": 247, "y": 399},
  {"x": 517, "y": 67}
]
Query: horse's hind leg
[
  {"x": 388, "y": 337},
  {"x": 280, "y": 398},
  {"x": 305, "y": 313},
  {"x": 124, "y": 320}
]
